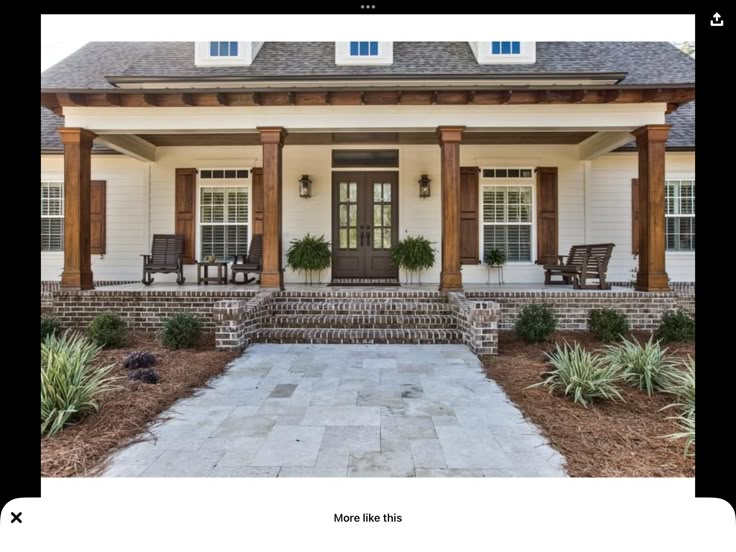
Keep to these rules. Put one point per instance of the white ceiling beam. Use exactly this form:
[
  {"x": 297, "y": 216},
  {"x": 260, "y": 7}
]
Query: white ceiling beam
[
  {"x": 601, "y": 143},
  {"x": 130, "y": 145}
]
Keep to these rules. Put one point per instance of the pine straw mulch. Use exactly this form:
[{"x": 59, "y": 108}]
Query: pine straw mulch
[
  {"x": 81, "y": 449},
  {"x": 607, "y": 439}
]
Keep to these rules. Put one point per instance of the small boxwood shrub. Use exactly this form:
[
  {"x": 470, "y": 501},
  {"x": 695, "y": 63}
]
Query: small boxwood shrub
[
  {"x": 608, "y": 325},
  {"x": 536, "y": 323},
  {"x": 139, "y": 359},
  {"x": 49, "y": 326},
  {"x": 144, "y": 375},
  {"x": 181, "y": 331},
  {"x": 108, "y": 330},
  {"x": 676, "y": 325}
]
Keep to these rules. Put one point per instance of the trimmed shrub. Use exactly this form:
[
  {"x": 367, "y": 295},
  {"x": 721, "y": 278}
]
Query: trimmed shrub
[
  {"x": 144, "y": 375},
  {"x": 676, "y": 325},
  {"x": 580, "y": 375},
  {"x": 139, "y": 359},
  {"x": 608, "y": 325},
  {"x": 536, "y": 323},
  {"x": 108, "y": 330},
  {"x": 71, "y": 382},
  {"x": 181, "y": 331},
  {"x": 49, "y": 326},
  {"x": 643, "y": 366}
]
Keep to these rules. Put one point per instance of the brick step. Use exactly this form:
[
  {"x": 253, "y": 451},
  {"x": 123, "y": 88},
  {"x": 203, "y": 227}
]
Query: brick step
[
  {"x": 441, "y": 321},
  {"x": 359, "y": 308},
  {"x": 342, "y": 335},
  {"x": 362, "y": 293},
  {"x": 439, "y": 299}
]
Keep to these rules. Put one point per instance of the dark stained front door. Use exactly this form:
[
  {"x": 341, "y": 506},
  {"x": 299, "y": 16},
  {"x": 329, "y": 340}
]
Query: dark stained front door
[{"x": 365, "y": 220}]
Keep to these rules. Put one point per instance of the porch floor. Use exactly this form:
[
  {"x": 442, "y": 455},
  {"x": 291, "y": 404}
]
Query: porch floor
[{"x": 469, "y": 288}]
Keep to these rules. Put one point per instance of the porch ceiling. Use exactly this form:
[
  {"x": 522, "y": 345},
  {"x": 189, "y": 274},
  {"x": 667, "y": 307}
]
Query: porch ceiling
[{"x": 330, "y": 138}]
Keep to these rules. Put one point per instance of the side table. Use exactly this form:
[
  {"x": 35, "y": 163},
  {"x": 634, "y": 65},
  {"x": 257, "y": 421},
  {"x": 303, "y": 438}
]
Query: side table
[{"x": 221, "y": 277}]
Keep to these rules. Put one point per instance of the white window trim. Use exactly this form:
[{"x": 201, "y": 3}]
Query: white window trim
[
  {"x": 669, "y": 252},
  {"x": 247, "y": 52},
  {"x": 485, "y": 57},
  {"x": 385, "y": 55},
  {"x": 222, "y": 183},
  {"x": 508, "y": 182},
  {"x": 63, "y": 200}
]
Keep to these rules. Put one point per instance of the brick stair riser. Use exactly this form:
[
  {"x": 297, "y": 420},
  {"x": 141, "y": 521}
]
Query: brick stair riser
[
  {"x": 353, "y": 321},
  {"x": 357, "y": 308},
  {"x": 312, "y": 335}
]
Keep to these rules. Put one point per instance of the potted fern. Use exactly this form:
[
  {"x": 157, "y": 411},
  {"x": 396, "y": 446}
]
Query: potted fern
[
  {"x": 495, "y": 258},
  {"x": 309, "y": 254},
  {"x": 413, "y": 254}
]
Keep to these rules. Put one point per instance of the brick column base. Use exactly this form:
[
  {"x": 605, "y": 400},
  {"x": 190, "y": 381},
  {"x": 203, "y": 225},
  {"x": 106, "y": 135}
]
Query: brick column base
[
  {"x": 236, "y": 322},
  {"x": 477, "y": 322}
]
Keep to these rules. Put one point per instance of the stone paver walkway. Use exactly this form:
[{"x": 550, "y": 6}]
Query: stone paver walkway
[{"x": 345, "y": 410}]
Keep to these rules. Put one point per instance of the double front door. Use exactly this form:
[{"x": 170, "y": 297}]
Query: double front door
[{"x": 364, "y": 224}]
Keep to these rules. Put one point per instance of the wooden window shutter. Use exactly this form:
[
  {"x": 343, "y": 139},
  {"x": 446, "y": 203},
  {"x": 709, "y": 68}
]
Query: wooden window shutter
[
  {"x": 257, "y": 201},
  {"x": 469, "y": 250},
  {"x": 185, "y": 201},
  {"x": 547, "y": 215},
  {"x": 97, "y": 205},
  {"x": 635, "y": 216}
]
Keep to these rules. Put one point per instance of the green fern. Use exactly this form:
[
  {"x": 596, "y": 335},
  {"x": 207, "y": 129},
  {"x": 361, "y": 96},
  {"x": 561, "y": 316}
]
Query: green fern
[{"x": 308, "y": 255}]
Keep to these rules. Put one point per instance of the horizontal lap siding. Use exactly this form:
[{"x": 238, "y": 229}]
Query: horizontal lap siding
[
  {"x": 610, "y": 209},
  {"x": 126, "y": 217}
]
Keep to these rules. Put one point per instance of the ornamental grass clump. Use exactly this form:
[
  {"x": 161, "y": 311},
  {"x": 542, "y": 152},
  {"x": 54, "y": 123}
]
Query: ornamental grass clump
[
  {"x": 580, "y": 375},
  {"x": 71, "y": 380},
  {"x": 681, "y": 383},
  {"x": 645, "y": 367}
]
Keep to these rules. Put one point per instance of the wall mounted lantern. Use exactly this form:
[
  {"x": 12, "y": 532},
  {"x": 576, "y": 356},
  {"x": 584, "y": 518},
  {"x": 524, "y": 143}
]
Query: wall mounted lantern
[
  {"x": 424, "y": 186},
  {"x": 305, "y": 186}
]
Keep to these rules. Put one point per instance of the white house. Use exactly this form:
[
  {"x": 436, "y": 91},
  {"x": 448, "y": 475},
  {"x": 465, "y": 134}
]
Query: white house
[{"x": 529, "y": 148}]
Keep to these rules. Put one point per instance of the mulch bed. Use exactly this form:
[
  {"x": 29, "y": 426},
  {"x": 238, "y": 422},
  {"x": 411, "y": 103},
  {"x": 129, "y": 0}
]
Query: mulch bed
[
  {"x": 607, "y": 439},
  {"x": 82, "y": 448}
]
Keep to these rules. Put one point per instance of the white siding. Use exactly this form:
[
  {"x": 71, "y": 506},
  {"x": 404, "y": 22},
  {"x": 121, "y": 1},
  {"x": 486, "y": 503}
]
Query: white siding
[
  {"x": 127, "y": 215},
  {"x": 610, "y": 206},
  {"x": 597, "y": 210}
]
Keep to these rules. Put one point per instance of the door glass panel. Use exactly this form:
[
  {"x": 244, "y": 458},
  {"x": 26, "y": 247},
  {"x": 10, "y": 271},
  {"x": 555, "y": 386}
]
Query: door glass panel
[
  {"x": 387, "y": 238},
  {"x": 377, "y": 238},
  {"x": 347, "y": 218},
  {"x": 377, "y": 192},
  {"x": 343, "y": 238},
  {"x": 387, "y": 193},
  {"x": 353, "y": 221},
  {"x": 343, "y": 191},
  {"x": 387, "y": 215},
  {"x": 376, "y": 215},
  {"x": 344, "y": 215},
  {"x": 353, "y": 242},
  {"x": 353, "y": 192}
]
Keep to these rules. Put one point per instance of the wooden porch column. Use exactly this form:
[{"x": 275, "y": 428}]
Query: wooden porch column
[
  {"x": 272, "y": 139},
  {"x": 77, "y": 166},
  {"x": 650, "y": 140},
  {"x": 450, "y": 277}
]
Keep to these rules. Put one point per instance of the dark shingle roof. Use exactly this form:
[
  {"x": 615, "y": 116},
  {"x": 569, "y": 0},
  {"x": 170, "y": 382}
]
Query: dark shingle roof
[
  {"x": 643, "y": 62},
  {"x": 50, "y": 139},
  {"x": 682, "y": 133}
]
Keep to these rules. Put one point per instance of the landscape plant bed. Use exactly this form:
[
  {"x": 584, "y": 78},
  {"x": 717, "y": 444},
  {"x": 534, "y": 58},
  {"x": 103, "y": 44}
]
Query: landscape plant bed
[
  {"x": 81, "y": 449},
  {"x": 607, "y": 439}
]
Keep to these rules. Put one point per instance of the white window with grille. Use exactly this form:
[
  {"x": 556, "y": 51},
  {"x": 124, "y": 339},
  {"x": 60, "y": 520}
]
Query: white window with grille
[
  {"x": 224, "y": 213},
  {"x": 679, "y": 205},
  {"x": 507, "y": 217},
  {"x": 52, "y": 216}
]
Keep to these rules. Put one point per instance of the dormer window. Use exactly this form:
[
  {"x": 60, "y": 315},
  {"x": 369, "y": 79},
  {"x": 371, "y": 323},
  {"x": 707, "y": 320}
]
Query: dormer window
[
  {"x": 366, "y": 52},
  {"x": 364, "y": 48},
  {"x": 225, "y": 53},
  {"x": 223, "y": 49},
  {"x": 504, "y": 51}
]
